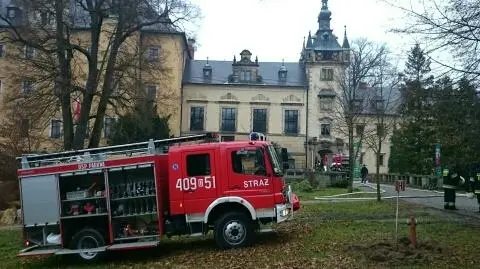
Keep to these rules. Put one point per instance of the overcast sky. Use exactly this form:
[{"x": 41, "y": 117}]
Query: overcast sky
[{"x": 274, "y": 29}]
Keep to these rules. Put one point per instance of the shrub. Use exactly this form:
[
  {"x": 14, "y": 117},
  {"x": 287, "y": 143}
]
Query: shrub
[
  {"x": 340, "y": 183},
  {"x": 302, "y": 186},
  {"x": 8, "y": 180},
  {"x": 8, "y": 194}
]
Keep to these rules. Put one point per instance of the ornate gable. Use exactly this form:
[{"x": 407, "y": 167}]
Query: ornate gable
[
  {"x": 229, "y": 98},
  {"x": 260, "y": 98},
  {"x": 245, "y": 71},
  {"x": 292, "y": 99}
]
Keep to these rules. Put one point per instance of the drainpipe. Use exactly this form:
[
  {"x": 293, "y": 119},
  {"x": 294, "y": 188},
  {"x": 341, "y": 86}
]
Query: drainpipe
[
  {"x": 184, "y": 65},
  {"x": 181, "y": 91},
  {"x": 307, "y": 114}
]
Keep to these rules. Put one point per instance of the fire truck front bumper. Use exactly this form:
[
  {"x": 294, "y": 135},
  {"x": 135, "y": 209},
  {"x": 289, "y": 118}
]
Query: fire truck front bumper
[{"x": 285, "y": 211}]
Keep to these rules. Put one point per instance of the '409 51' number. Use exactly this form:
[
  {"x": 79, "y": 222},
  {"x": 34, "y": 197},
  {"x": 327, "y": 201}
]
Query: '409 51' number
[{"x": 193, "y": 183}]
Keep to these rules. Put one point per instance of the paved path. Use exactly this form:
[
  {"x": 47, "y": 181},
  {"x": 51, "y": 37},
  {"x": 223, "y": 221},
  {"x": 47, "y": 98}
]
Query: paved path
[
  {"x": 465, "y": 205},
  {"x": 433, "y": 199}
]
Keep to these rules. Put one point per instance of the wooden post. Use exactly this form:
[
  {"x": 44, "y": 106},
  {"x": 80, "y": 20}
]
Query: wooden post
[{"x": 413, "y": 231}]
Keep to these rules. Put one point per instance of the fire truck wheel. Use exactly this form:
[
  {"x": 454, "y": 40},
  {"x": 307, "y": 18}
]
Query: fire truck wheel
[
  {"x": 88, "y": 238},
  {"x": 233, "y": 230}
]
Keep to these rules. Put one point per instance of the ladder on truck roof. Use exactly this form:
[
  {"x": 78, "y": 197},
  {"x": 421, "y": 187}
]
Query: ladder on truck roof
[{"x": 101, "y": 153}]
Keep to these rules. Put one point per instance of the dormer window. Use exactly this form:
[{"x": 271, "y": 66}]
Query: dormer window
[
  {"x": 245, "y": 71},
  {"x": 282, "y": 73},
  {"x": 357, "y": 105},
  {"x": 207, "y": 71},
  {"x": 378, "y": 104},
  {"x": 12, "y": 13},
  {"x": 246, "y": 76}
]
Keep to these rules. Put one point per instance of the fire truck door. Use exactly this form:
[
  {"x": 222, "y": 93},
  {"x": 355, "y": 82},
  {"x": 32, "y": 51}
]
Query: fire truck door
[
  {"x": 199, "y": 181},
  {"x": 249, "y": 174}
]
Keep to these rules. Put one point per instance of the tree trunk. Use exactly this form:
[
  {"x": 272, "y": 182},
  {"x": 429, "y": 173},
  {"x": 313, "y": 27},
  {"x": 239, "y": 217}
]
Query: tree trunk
[
  {"x": 377, "y": 172},
  {"x": 91, "y": 85},
  {"x": 351, "y": 158},
  {"x": 67, "y": 121},
  {"x": 62, "y": 85},
  {"x": 106, "y": 92}
]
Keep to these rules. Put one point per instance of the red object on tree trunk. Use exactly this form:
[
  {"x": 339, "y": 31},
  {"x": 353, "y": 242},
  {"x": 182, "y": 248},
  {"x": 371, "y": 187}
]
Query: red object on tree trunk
[
  {"x": 76, "y": 110},
  {"x": 413, "y": 231}
]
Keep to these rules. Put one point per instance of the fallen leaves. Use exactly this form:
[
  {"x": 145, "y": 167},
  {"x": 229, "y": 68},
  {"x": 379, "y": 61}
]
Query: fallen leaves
[{"x": 314, "y": 239}]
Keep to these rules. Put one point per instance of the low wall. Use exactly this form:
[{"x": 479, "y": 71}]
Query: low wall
[
  {"x": 317, "y": 179},
  {"x": 416, "y": 181},
  {"x": 326, "y": 179}
]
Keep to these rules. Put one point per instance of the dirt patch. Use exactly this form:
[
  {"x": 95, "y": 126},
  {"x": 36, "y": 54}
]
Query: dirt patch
[{"x": 388, "y": 252}]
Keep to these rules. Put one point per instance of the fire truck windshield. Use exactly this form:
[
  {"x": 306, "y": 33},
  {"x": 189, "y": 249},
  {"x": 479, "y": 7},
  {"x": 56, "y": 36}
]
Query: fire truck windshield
[{"x": 275, "y": 163}]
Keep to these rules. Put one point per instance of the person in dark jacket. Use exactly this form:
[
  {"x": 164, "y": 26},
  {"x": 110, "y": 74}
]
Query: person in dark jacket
[
  {"x": 364, "y": 174},
  {"x": 451, "y": 181}
]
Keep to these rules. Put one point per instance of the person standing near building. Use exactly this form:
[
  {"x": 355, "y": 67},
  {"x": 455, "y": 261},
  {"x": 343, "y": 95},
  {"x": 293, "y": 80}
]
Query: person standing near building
[
  {"x": 364, "y": 174},
  {"x": 451, "y": 180}
]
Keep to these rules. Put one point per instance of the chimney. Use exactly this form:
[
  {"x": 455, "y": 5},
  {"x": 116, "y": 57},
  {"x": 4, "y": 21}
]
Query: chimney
[{"x": 191, "y": 47}]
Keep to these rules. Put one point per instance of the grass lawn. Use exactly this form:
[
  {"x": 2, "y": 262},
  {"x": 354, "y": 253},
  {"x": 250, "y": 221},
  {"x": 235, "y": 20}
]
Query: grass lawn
[{"x": 325, "y": 235}]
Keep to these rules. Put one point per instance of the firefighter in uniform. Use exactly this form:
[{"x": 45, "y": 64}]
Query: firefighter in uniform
[
  {"x": 475, "y": 183},
  {"x": 451, "y": 180}
]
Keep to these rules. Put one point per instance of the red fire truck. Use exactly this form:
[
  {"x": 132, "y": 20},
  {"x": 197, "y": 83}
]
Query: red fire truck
[{"x": 91, "y": 201}]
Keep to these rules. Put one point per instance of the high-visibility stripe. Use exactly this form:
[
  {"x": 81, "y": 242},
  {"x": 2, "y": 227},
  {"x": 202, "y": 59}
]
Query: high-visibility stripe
[{"x": 448, "y": 186}]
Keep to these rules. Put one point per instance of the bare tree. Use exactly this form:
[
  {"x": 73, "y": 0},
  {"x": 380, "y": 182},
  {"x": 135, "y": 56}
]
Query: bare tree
[
  {"x": 52, "y": 28},
  {"x": 350, "y": 106},
  {"x": 451, "y": 27},
  {"x": 383, "y": 106},
  {"x": 20, "y": 130}
]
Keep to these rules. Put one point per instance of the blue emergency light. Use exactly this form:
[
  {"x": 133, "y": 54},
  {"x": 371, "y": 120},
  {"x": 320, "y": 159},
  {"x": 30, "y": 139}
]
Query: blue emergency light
[{"x": 254, "y": 136}]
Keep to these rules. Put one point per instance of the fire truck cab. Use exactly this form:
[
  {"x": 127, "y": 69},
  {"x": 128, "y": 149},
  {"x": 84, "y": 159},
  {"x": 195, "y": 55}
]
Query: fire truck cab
[{"x": 91, "y": 201}]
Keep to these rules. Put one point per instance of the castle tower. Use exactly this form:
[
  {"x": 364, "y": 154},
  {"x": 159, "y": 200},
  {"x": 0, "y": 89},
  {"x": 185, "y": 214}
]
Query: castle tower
[{"x": 324, "y": 60}]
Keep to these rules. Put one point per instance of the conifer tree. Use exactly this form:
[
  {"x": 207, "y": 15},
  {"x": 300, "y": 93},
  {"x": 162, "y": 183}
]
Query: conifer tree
[
  {"x": 139, "y": 125},
  {"x": 413, "y": 144}
]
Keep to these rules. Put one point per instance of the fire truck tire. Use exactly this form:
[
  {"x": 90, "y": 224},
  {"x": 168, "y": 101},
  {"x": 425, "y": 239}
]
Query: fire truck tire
[
  {"x": 88, "y": 238},
  {"x": 233, "y": 230}
]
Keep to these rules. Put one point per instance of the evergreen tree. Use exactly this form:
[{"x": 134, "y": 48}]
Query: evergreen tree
[
  {"x": 457, "y": 126},
  {"x": 141, "y": 124},
  {"x": 413, "y": 144},
  {"x": 416, "y": 90},
  {"x": 417, "y": 65}
]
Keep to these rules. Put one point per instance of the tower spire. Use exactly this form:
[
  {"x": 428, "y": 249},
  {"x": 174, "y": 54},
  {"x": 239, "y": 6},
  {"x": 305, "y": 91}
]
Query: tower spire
[
  {"x": 346, "y": 44},
  {"x": 309, "y": 40},
  {"x": 324, "y": 17},
  {"x": 324, "y": 4}
]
